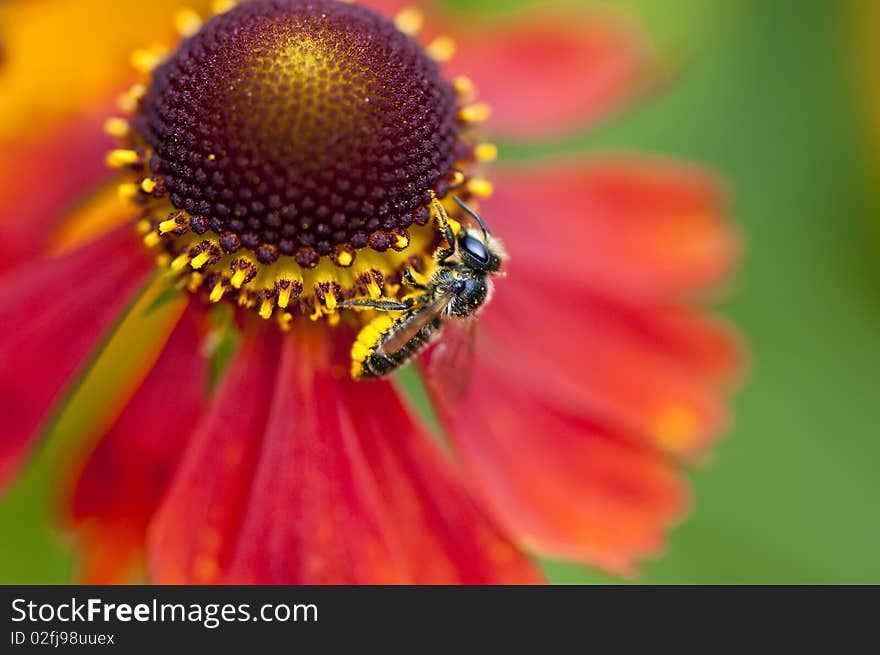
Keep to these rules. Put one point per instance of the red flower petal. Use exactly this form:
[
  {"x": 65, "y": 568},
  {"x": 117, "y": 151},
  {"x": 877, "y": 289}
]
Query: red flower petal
[
  {"x": 551, "y": 69},
  {"x": 192, "y": 535},
  {"x": 627, "y": 227},
  {"x": 561, "y": 484},
  {"x": 42, "y": 179},
  {"x": 123, "y": 479},
  {"x": 333, "y": 484},
  {"x": 445, "y": 537},
  {"x": 55, "y": 313},
  {"x": 684, "y": 366}
]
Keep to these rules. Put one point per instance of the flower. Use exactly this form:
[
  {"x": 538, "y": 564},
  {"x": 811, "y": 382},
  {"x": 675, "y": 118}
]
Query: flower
[{"x": 285, "y": 158}]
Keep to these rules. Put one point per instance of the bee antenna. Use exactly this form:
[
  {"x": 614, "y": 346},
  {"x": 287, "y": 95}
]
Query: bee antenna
[{"x": 463, "y": 205}]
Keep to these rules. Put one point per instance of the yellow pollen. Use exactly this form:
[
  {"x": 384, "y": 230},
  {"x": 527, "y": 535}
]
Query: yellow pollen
[
  {"x": 238, "y": 278},
  {"x": 145, "y": 61},
  {"x": 168, "y": 226},
  {"x": 200, "y": 260},
  {"x": 284, "y": 297},
  {"x": 409, "y": 20},
  {"x": 217, "y": 292},
  {"x": 480, "y": 188},
  {"x": 330, "y": 300},
  {"x": 344, "y": 258},
  {"x": 373, "y": 289},
  {"x": 333, "y": 320},
  {"x": 128, "y": 101},
  {"x": 266, "y": 308},
  {"x": 441, "y": 49},
  {"x": 116, "y": 127},
  {"x": 486, "y": 152},
  {"x": 457, "y": 179},
  {"x": 127, "y": 191},
  {"x": 195, "y": 281},
  {"x": 144, "y": 227},
  {"x": 402, "y": 241},
  {"x": 120, "y": 158},
  {"x": 152, "y": 240},
  {"x": 148, "y": 185},
  {"x": 180, "y": 262},
  {"x": 476, "y": 113},
  {"x": 465, "y": 89},
  {"x": 222, "y": 6},
  {"x": 187, "y": 22}
]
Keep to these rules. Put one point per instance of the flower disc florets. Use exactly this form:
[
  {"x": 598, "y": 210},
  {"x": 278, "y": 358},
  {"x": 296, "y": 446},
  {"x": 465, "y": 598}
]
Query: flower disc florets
[{"x": 288, "y": 152}]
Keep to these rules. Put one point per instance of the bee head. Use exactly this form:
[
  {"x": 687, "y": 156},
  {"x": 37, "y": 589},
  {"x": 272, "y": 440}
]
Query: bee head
[{"x": 477, "y": 254}]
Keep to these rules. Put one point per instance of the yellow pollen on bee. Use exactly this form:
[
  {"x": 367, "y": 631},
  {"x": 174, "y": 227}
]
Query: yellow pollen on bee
[
  {"x": 148, "y": 185},
  {"x": 441, "y": 49},
  {"x": 180, "y": 262},
  {"x": 122, "y": 157},
  {"x": 344, "y": 258},
  {"x": 266, "y": 308},
  {"x": 486, "y": 152},
  {"x": 116, "y": 127},
  {"x": 480, "y": 188},
  {"x": 402, "y": 241},
  {"x": 168, "y": 226},
  {"x": 200, "y": 260},
  {"x": 187, "y": 21},
  {"x": 476, "y": 113},
  {"x": 464, "y": 88},
  {"x": 410, "y": 20},
  {"x": 217, "y": 292},
  {"x": 238, "y": 278}
]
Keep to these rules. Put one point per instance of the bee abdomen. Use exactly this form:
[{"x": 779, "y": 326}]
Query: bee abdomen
[{"x": 378, "y": 364}]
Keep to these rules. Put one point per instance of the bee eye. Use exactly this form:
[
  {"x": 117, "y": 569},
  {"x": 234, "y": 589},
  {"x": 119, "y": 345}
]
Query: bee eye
[{"x": 475, "y": 248}]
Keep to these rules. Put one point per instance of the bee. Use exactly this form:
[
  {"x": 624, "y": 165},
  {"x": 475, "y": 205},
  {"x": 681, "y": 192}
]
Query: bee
[{"x": 460, "y": 285}]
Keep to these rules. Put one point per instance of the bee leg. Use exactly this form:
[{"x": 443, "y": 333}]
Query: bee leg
[
  {"x": 382, "y": 304},
  {"x": 442, "y": 221},
  {"x": 409, "y": 278}
]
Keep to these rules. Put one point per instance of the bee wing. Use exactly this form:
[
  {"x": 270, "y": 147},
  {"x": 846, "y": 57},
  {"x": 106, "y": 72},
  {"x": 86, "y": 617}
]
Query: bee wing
[
  {"x": 451, "y": 361},
  {"x": 422, "y": 317}
]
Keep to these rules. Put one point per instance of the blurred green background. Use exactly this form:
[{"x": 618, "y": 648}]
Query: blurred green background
[{"x": 769, "y": 97}]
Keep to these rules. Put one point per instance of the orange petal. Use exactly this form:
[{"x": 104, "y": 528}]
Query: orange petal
[
  {"x": 63, "y": 56},
  {"x": 628, "y": 227},
  {"x": 123, "y": 479},
  {"x": 552, "y": 69},
  {"x": 54, "y": 314}
]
